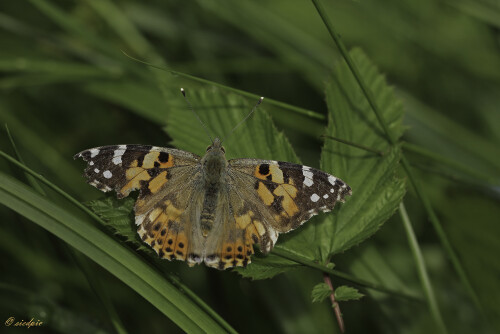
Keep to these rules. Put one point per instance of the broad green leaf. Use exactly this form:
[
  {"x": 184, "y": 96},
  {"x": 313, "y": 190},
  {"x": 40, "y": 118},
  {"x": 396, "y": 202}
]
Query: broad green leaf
[
  {"x": 105, "y": 251},
  {"x": 376, "y": 189},
  {"x": 344, "y": 293},
  {"x": 221, "y": 112},
  {"x": 320, "y": 292}
]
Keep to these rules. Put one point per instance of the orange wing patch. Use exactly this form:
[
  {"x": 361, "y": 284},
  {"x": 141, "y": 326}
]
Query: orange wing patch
[
  {"x": 158, "y": 182},
  {"x": 164, "y": 232},
  {"x": 265, "y": 195},
  {"x": 135, "y": 176},
  {"x": 287, "y": 190},
  {"x": 138, "y": 171},
  {"x": 158, "y": 159},
  {"x": 269, "y": 172}
]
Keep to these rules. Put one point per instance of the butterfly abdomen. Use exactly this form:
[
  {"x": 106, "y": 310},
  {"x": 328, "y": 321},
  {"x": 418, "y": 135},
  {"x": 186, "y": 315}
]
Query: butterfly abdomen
[{"x": 209, "y": 204}]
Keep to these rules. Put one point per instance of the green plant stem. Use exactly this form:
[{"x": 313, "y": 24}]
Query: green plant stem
[
  {"x": 283, "y": 105},
  {"x": 171, "y": 278},
  {"x": 335, "y": 304},
  {"x": 360, "y": 282},
  {"x": 422, "y": 272},
  {"x": 428, "y": 208}
]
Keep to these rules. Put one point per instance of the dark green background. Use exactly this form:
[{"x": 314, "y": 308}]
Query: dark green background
[{"x": 65, "y": 86}]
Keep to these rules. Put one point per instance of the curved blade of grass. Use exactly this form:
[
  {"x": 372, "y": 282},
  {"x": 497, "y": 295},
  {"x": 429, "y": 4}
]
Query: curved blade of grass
[
  {"x": 82, "y": 261},
  {"x": 422, "y": 272},
  {"x": 30, "y": 177},
  {"x": 482, "y": 178},
  {"x": 108, "y": 253}
]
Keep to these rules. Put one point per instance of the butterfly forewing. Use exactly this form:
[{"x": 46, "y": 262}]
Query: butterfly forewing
[{"x": 291, "y": 193}]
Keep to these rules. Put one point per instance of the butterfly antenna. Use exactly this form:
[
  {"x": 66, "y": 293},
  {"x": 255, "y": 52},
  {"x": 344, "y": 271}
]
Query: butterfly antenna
[
  {"x": 244, "y": 119},
  {"x": 197, "y": 117}
]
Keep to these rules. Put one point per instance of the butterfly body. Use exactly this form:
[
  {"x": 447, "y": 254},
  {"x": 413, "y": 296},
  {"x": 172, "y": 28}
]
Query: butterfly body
[{"x": 208, "y": 209}]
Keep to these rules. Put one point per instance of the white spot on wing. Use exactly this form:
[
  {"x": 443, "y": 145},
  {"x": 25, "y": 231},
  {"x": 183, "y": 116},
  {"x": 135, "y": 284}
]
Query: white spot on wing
[
  {"x": 314, "y": 197},
  {"x": 325, "y": 196},
  {"x": 96, "y": 170},
  {"x": 308, "y": 176},
  {"x": 212, "y": 262},
  {"x": 117, "y": 154},
  {"x": 94, "y": 152},
  {"x": 332, "y": 190},
  {"x": 117, "y": 160},
  {"x": 107, "y": 174},
  {"x": 91, "y": 163},
  {"x": 332, "y": 179},
  {"x": 139, "y": 219},
  {"x": 273, "y": 234}
]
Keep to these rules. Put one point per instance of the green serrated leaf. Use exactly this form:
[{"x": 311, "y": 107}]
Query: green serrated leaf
[
  {"x": 376, "y": 189},
  {"x": 118, "y": 214},
  {"x": 266, "y": 267},
  {"x": 221, "y": 111},
  {"x": 344, "y": 293},
  {"x": 320, "y": 292}
]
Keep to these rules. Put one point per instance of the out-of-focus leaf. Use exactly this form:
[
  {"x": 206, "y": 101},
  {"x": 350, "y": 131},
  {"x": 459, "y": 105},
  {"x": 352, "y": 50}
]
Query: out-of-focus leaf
[{"x": 444, "y": 136}]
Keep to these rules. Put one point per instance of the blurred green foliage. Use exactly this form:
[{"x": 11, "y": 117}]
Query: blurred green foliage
[{"x": 66, "y": 85}]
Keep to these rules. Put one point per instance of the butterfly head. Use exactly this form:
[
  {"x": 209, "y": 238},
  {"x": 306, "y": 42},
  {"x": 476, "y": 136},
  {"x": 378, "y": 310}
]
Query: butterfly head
[{"x": 216, "y": 147}]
